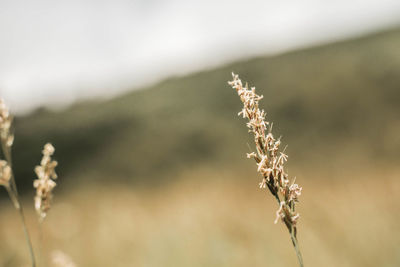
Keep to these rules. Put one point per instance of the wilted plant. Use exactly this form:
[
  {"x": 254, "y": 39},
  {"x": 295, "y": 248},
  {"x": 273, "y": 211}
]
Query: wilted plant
[
  {"x": 270, "y": 160},
  {"x": 6, "y": 176}
]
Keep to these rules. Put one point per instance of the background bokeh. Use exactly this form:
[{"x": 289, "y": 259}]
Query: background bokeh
[{"x": 152, "y": 172}]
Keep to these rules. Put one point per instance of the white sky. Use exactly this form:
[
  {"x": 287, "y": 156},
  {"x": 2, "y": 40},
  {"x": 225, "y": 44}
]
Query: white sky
[{"x": 56, "y": 51}]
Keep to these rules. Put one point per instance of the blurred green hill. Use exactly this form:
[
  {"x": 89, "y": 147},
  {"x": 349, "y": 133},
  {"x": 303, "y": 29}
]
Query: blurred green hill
[{"x": 332, "y": 103}]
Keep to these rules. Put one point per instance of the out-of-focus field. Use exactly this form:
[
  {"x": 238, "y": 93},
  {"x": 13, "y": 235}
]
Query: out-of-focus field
[
  {"x": 220, "y": 221},
  {"x": 158, "y": 177},
  {"x": 343, "y": 95}
]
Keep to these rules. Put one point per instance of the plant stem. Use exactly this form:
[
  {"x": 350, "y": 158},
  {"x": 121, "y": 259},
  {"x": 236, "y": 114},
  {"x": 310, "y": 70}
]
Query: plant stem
[
  {"x": 13, "y": 193},
  {"x": 292, "y": 232},
  {"x": 27, "y": 237},
  {"x": 296, "y": 247},
  {"x": 18, "y": 207}
]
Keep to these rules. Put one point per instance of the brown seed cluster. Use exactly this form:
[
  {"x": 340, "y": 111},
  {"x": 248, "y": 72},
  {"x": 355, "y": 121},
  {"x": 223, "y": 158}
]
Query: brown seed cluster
[
  {"x": 45, "y": 183},
  {"x": 270, "y": 160}
]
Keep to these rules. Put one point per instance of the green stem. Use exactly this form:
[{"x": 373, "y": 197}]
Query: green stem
[
  {"x": 296, "y": 247},
  {"x": 291, "y": 229}
]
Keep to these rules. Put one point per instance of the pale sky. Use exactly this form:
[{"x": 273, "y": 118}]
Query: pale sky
[{"x": 53, "y": 52}]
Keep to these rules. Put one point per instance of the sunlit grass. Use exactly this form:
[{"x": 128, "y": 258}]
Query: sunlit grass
[{"x": 218, "y": 221}]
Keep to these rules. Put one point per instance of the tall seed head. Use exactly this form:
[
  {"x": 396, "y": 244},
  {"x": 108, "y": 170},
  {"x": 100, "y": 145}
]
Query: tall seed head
[{"x": 270, "y": 161}]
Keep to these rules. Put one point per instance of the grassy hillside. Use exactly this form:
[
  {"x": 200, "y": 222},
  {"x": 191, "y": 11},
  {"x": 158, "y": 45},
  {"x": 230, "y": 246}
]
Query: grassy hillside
[{"x": 328, "y": 102}]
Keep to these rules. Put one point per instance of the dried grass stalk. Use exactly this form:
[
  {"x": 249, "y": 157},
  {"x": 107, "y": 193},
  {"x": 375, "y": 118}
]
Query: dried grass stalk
[
  {"x": 270, "y": 160},
  {"x": 45, "y": 183},
  {"x": 6, "y": 174}
]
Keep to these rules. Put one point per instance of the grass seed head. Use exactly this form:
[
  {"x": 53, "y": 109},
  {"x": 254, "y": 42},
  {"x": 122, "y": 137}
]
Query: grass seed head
[
  {"x": 45, "y": 183},
  {"x": 269, "y": 159}
]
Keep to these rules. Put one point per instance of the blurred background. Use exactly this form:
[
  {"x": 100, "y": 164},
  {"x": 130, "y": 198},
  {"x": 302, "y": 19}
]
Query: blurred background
[{"x": 152, "y": 155}]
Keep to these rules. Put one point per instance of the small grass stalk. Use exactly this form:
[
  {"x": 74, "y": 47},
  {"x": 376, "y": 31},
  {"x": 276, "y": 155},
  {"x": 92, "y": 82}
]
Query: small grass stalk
[
  {"x": 7, "y": 178},
  {"x": 270, "y": 161}
]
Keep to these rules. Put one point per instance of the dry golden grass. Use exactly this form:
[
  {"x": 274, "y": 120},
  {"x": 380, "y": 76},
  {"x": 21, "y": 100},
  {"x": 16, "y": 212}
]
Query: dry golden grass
[
  {"x": 349, "y": 218},
  {"x": 270, "y": 159}
]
